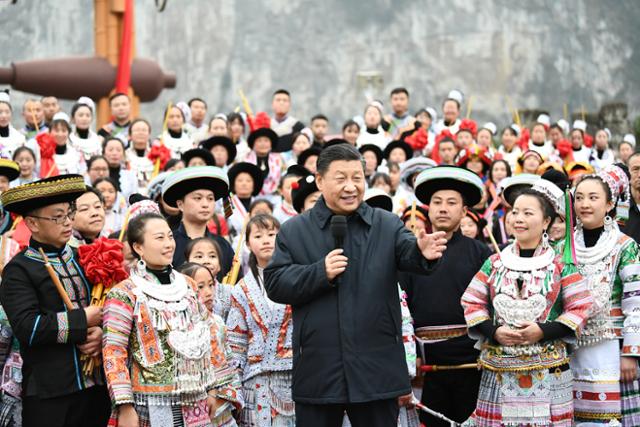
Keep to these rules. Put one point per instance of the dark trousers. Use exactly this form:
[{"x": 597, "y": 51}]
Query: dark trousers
[
  {"x": 452, "y": 393},
  {"x": 86, "y": 408},
  {"x": 379, "y": 413}
]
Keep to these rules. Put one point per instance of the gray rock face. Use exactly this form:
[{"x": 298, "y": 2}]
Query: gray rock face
[{"x": 534, "y": 54}]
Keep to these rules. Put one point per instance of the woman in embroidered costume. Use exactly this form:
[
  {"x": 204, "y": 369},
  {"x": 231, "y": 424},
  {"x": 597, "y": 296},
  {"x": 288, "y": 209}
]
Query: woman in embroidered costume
[
  {"x": 259, "y": 332},
  {"x": 157, "y": 344},
  {"x": 605, "y": 365},
  {"x": 521, "y": 305},
  {"x": 227, "y": 379}
]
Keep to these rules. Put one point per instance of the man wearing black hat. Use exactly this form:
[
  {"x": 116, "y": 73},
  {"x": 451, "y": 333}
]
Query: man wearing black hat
[
  {"x": 348, "y": 353},
  {"x": 434, "y": 299},
  {"x": 194, "y": 191},
  {"x": 55, "y": 390}
]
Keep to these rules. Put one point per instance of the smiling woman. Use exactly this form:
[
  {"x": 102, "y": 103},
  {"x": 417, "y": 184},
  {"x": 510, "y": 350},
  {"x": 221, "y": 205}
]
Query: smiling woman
[{"x": 338, "y": 358}]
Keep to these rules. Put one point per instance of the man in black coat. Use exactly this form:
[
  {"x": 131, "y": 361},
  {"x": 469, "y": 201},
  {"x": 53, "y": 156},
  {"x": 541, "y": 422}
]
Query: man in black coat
[
  {"x": 55, "y": 390},
  {"x": 347, "y": 339},
  {"x": 434, "y": 299}
]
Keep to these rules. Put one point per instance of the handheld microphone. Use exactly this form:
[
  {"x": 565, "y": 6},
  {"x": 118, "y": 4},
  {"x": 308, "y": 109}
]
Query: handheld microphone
[{"x": 338, "y": 231}]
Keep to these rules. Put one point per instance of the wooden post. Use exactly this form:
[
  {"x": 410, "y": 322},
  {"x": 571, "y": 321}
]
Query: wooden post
[{"x": 108, "y": 22}]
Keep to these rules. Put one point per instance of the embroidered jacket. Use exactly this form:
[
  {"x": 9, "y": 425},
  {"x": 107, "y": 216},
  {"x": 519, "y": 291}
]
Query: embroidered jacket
[
  {"x": 157, "y": 343},
  {"x": 259, "y": 331},
  {"x": 616, "y": 309},
  {"x": 550, "y": 292},
  {"x": 48, "y": 333}
]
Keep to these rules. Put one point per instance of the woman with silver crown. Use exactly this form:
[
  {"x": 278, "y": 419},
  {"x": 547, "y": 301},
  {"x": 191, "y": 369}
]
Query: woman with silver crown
[
  {"x": 605, "y": 364},
  {"x": 157, "y": 343},
  {"x": 522, "y": 306}
]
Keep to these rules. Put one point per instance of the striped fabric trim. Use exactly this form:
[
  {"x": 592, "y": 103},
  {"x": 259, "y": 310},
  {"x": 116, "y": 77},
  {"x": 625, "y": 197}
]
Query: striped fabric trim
[
  {"x": 63, "y": 327},
  {"x": 441, "y": 333}
]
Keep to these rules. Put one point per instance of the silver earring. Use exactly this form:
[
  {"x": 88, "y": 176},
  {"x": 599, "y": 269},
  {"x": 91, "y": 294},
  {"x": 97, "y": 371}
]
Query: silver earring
[
  {"x": 141, "y": 267},
  {"x": 545, "y": 240},
  {"x": 608, "y": 222}
]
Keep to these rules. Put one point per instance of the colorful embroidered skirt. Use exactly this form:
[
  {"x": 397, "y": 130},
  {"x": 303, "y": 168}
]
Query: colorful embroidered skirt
[
  {"x": 526, "y": 398},
  {"x": 268, "y": 401},
  {"x": 630, "y": 404},
  {"x": 596, "y": 384}
]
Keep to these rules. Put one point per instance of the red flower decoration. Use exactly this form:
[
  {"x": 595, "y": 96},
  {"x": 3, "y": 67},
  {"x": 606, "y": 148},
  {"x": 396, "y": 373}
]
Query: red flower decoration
[
  {"x": 588, "y": 140},
  {"x": 47, "y": 145},
  {"x": 525, "y": 136},
  {"x": 261, "y": 120},
  {"x": 469, "y": 125},
  {"x": 103, "y": 262},
  {"x": 418, "y": 139},
  {"x": 445, "y": 134},
  {"x": 564, "y": 150},
  {"x": 295, "y": 185},
  {"x": 159, "y": 151}
]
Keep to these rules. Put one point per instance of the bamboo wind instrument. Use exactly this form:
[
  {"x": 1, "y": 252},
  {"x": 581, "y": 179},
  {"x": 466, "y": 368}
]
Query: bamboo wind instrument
[
  {"x": 469, "y": 106},
  {"x": 434, "y": 368},
  {"x": 56, "y": 281},
  {"x": 245, "y": 103},
  {"x": 487, "y": 229},
  {"x": 156, "y": 166},
  {"x": 232, "y": 276},
  {"x": 125, "y": 224},
  {"x": 565, "y": 111}
]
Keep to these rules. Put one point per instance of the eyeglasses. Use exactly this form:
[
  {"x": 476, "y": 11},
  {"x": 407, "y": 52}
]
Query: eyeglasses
[{"x": 59, "y": 220}]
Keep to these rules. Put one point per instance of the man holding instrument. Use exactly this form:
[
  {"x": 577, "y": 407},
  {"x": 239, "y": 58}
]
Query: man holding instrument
[
  {"x": 434, "y": 299},
  {"x": 348, "y": 353},
  {"x": 46, "y": 297}
]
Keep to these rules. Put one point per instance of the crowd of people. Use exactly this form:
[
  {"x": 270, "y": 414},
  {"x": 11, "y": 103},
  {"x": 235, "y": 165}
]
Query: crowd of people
[{"x": 489, "y": 276}]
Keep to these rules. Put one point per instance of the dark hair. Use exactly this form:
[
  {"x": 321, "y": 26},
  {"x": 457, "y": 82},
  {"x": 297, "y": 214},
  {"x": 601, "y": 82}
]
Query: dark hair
[
  {"x": 232, "y": 117},
  {"x": 295, "y": 136},
  {"x": 319, "y": 117},
  {"x": 116, "y": 95},
  {"x": 166, "y": 110},
  {"x": 547, "y": 209},
  {"x": 105, "y": 179},
  {"x": 557, "y": 126},
  {"x": 260, "y": 202},
  {"x": 139, "y": 120},
  {"x": 171, "y": 163},
  {"x": 350, "y": 123},
  {"x": 506, "y": 165},
  {"x": 380, "y": 176},
  {"x": 193, "y": 242},
  {"x": 112, "y": 138},
  {"x": 59, "y": 122},
  {"x": 219, "y": 117},
  {"x": 511, "y": 130},
  {"x": 393, "y": 165},
  {"x": 281, "y": 91},
  {"x": 22, "y": 149},
  {"x": 453, "y": 100},
  {"x": 135, "y": 230},
  {"x": 399, "y": 90},
  {"x": 77, "y": 106},
  {"x": 335, "y": 153},
  {"x": 262, "y": 222},
  {"x": 90, "y": 189},
  {"x": 95, "y": 158},
  {"x": 191, "y": 268},
  {"x": 605, "y": 187},
  {"x": 192, "y": 100}
]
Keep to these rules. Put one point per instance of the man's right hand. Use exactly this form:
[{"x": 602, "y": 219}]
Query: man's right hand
[
  {"x": 94, "y": 315},
  {"x": 335, "y": 263},
  {"x": 127, "y": 416}
]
